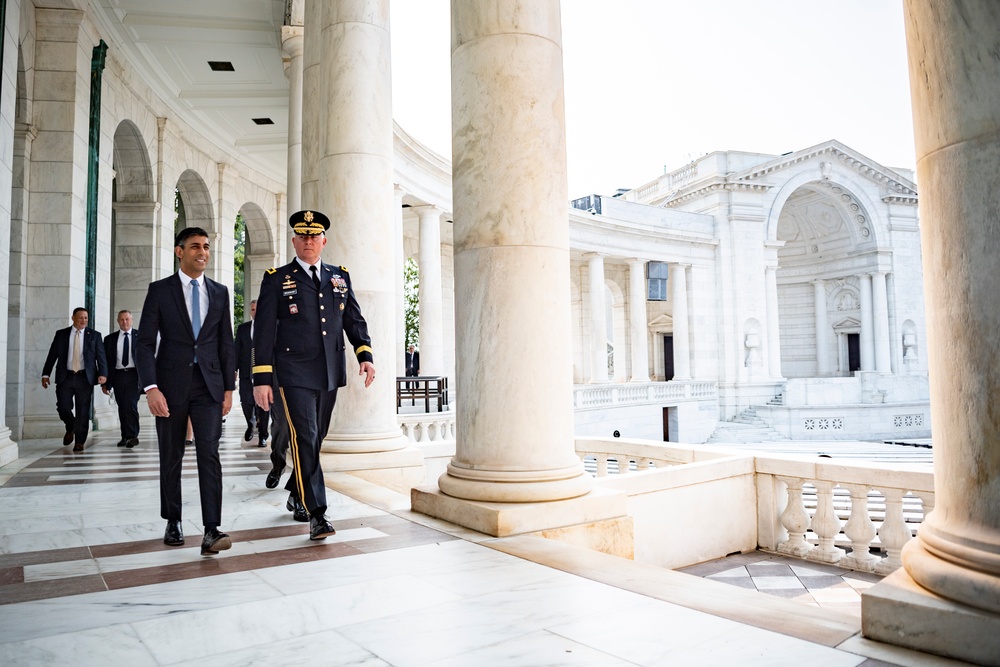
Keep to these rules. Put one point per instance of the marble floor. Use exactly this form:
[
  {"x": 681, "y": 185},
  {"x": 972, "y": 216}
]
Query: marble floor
[{"x": 86, "y": 580}]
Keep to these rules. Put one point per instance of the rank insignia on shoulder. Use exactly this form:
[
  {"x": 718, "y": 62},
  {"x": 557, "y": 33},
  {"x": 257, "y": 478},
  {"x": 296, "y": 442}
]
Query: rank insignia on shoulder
[
  {"x": 344, "y": 268},
  {"x": 271, "y": 270}
]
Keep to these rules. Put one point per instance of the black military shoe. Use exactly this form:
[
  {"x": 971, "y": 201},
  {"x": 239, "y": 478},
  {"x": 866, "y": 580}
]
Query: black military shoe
[
  {"x": 262, "y": 442},
  {"x": 320, "y": 528},
  {"x": 173, "y": 536},
  {"x": 249, "y": 434},
  {"x": 298, "y": 510},
  {"x": 121, "y": 443},
  {"x": 132, "y": 442},
  {"x": 214, "y": 542},
  {"x": 274, "y": 477}
]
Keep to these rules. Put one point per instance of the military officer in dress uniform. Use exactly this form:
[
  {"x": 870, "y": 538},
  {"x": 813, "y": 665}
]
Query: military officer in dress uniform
[{"x": 303, "y": 312}]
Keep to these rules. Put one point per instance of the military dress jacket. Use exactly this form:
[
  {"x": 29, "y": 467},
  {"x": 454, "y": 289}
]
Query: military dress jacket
[{"x": 298, "y": 336}]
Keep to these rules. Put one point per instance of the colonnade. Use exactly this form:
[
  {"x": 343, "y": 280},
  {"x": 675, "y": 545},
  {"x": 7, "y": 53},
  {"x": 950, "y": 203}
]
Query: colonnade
[{"x": 874, "y": 334}]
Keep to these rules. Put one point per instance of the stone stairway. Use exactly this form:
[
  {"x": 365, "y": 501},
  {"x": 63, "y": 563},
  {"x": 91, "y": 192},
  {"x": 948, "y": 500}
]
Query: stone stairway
[{"x": 747, "y": 427}]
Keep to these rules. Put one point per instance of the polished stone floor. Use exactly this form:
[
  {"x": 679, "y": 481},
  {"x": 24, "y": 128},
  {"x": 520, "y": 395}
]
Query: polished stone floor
[{"x": 86, "y": 580}]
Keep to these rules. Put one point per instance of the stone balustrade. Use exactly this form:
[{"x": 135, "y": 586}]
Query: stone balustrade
[
  {"x": 430, "y": 427},
  {"x": 635, "y": 393},
  {"x": 818, "y": 509}
]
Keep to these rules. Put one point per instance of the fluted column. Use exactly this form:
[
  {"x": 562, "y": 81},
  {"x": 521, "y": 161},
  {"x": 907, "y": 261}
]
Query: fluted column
[
  {"x": 681, "y": 337},
  {"x": 637, "y": 321},
  {"x": 880, "y": 315},
  {"x": 867, "y": 337},
  {"x": 515, "y": 422},
  {"x": 956, "y": 554},
  {"x": 352, "y": 116},
  {"x": 822, "y": 329},
  {"x": 431, "y": 317},
  {"x": 773, "y": 331},
  {"x": 400, "y": 260},
  {"x": 598, "y": 319},
  {"x": 292, "y": 44}
]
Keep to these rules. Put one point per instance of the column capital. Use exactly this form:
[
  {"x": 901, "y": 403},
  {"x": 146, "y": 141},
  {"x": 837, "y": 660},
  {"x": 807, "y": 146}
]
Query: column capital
[
  {"x": 681, "y": 265},
  {"x": 399, "y": 191},
  {"x": 636, "y": 260},
  {"x": 292, "y": 40},
  {"x": 427, "y": 210},
  {"x": 594, "y": 255}
]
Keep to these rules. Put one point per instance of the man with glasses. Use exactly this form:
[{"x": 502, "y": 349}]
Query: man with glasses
[{"x": 304, "y": 310}]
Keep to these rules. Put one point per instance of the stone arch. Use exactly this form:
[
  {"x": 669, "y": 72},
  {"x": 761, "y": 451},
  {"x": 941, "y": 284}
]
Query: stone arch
[
  {"x": 260, "y": 251},
  {"x": 133, "y": 221},
  {"x": 196, "y": 202},
  {"x": 614, "y": 302}
]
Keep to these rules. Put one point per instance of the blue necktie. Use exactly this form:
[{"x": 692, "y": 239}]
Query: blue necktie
[
  {"x": 195, "y": 313},
  {"x": 125, "y": 351}
]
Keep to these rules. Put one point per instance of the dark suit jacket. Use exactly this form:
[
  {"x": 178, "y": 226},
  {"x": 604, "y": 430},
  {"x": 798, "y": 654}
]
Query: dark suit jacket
[
  {"x": 94, "y": 361},
  {"x": 164, "y": 313},
  {"x": 412, "y": 363},
  {"x": 244, "y": 357},
  {"x": 300, "y": 335},
  {"x": 111, "y": 352}
]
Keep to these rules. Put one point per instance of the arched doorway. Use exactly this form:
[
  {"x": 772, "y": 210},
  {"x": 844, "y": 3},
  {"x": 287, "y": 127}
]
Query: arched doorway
[{"x": 133, "y": 237}]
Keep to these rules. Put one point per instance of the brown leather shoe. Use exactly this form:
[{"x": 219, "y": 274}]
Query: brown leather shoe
[
  {"x": 78, "y": 447},
  {"x": 68, "y": 438}
]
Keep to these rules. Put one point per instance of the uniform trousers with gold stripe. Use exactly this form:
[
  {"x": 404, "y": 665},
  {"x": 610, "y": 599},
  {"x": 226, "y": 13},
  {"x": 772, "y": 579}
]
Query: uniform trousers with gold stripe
[{"x": 303, "y": 415}]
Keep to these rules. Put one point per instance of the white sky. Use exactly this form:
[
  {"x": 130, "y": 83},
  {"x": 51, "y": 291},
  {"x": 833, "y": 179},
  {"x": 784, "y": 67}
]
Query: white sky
[{"x": 653, "y": 84}]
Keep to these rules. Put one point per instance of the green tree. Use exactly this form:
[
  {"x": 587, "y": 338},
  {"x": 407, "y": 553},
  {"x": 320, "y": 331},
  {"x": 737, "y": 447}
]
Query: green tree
[
  {"x": 411, "y": 301},
  {"x": 239, "y": 254}
]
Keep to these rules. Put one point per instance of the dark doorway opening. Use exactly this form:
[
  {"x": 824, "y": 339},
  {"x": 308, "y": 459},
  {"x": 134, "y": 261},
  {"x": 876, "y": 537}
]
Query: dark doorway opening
[
  {"x": 853, "y": 352},
  {"x": 668, "y": 358}
]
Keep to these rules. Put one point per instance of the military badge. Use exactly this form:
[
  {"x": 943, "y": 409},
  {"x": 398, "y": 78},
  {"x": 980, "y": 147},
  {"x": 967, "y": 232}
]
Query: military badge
[
  {"x": 341, "y": 306},
  {"x": 293, "y": 308}
]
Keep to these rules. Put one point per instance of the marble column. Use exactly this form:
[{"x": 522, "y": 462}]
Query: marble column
[
  {"x": 352, "y": 117},
  {"x": 292, "y": 42},
  {"x": 598, "y": 320},
  {"x": 512, "y": 270},
  {"x": 431, "y": 318},
  {"x": 681, "y": 337},
  {"x": 822, "y": 329},
  {"x": 637, "y": 320},
  {"x": 399, "y": 260},
  {"x": 867, "y": 337},
  {"x": 956, "y": 554},
  {"x": 773, "y": 330},
  {"x": 880, "y": 315}
]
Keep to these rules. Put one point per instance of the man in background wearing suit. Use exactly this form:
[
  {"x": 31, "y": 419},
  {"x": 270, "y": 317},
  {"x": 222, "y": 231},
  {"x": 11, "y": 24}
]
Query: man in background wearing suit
[
  {"x": 77, "y": 354},
  {"x": 303, "y": 312},
  {"x": 119, "y": 348},
  {"x": 190, "y": 373},
  {"x": 412, "y": 364},
  {"x": 244, "y": 353}
]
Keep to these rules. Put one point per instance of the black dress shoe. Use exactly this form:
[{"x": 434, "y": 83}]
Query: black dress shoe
[
  {"x": 248, "y": 436},
  {"x": 122, "y": 442},
  {"x": 262, "y": 442},
  {"x": 214, "y": 542},
  {"x": 188, "y": 443},
  {"x": 78, "y": 447},
  {"x": 173, "y": 536},
  {"x": 298, "y": 510},
  {"x": 68, "y": 438},
  {"x": 132, "y": 442},
  {"x": 320, "y": 528},
  {"x": 274, "y": 477}
]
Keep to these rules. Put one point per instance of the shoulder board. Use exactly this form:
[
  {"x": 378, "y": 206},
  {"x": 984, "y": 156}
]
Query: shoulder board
[
  {"x": 343, "y": 268},
  {"x": 271, "y": 270}
]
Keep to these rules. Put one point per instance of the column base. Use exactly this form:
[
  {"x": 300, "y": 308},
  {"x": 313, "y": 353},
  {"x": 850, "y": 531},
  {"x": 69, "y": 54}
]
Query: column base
[
  {"x": 364, "y": 443},
  {"x": 399, "y": 470},
  {"x": 899, "y": 611},
  {"x": 8, "y": 448},
  {"x": 504, "y": 519}
]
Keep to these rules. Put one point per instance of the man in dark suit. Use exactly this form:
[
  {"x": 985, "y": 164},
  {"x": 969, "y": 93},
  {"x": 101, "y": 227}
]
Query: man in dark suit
[
  {"x": 189, "y": 372},
  {"x": 244, "y": 353},
  {"x": 303, "y": 312},
  {"x": 412, "y": 363},
  {"x": 77, "y": 354},
  {"x": 119, "y": 348}
]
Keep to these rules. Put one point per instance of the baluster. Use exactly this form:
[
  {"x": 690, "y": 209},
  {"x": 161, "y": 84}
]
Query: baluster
[
  {"x": 408, "y": 431},
  {"x": 795, "y": 519},
  {"x": 623, "y": 465},
  {"x": 926, "y": 504},
  {"x": 860, "y": 529},
  {"x": 894, "y": 533},
  {"x": 602, "y": 464},
  {"x": 826, "y": 525}
]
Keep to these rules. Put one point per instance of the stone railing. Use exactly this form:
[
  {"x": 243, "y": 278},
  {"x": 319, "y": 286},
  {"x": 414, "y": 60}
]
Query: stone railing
[
  {"x": 634, "y": 393},
  {"x": 828, "y": 511},
  {"x": 428, "y": 427}
]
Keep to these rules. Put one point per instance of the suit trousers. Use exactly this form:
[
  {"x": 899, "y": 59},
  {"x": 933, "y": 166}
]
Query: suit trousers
[
  {"x": 303, "y": 417},
  {"x": 256, "y": 418},
  {"x": 206, "y": 420},
  {"x": 126, "y": 388},
  {"x": 75, "y": 389}
]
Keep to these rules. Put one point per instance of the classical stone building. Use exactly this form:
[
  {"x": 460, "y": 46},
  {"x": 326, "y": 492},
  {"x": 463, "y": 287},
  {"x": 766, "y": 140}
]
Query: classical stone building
[{"x": 791, "y": 285}]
